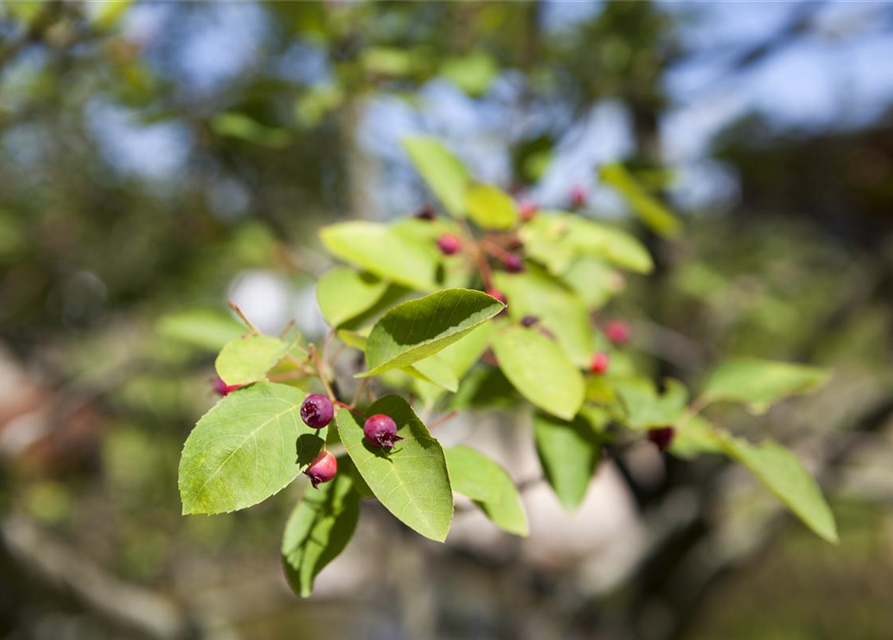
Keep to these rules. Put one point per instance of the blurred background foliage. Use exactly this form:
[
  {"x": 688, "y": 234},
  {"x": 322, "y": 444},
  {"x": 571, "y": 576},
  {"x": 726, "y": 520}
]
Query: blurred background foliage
[{"x": 159, "y": 158}]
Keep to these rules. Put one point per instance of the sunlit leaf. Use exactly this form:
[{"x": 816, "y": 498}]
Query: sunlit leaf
[
  {"x": 343, "y": 294},
  {"x": 569, "y": 453},
  {"x": 490, "y": 207},
  {"x": 760, "y": 383},
  {"x": 207, "y": 329},
  {"x": 647, "y": 207},
  {"x": 248, "y": 358},
  {"x": 473, "y": 73},
  {"x": 238, "y": 125},
  {"x": 645, "y": 407},
  {"x": 443, "y": 172}
]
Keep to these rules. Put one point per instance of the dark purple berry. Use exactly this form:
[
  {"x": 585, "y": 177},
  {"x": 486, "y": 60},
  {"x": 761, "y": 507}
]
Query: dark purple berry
[
  {"x": 529, "y": 321},
  {"x": 381, "y": 431},
  {"x": 449, "y": 244},
  {"x": 322, "y": 469},
  {"x": 426, "y": 213},
  {"x": 317, "y": 411},
  {"x": 661, "y": 437},
  {"x": 513, "y": 263}
]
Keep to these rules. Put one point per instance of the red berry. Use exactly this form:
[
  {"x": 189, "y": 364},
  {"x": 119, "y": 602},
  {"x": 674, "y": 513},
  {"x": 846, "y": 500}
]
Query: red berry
[
  {"x": 527, "y": 210},
  {"x": 499, "y": 295},
  {"x": 513, "y": 263},
  {"x": 381, "y": 431},
  {"x": 322, "y": 469},
  {"x": 617, "y": 331},
  {"x": 449, "y": 244},
  {"x": 578, "y": 196},
  {"x": 662, "y": 437},
  {"x": 222, "y": 388},
  {"x": 600, "y": 362},
  {"x": 317, "y": 411}
]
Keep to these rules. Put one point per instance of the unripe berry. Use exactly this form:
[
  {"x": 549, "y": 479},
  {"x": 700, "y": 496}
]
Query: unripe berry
[
  {"x": 513, "y": 263},
  {"x": 317, "y": 411},
  {"x": 499, "y": 295},
  {"x": 617, "y": 331},
  {"x": 449, "y": 244},
  {"x": 322, "y": 469},
  {"x": 578, "y": 196},
  {"x": 600, "y": 362},
  {"x": 527, "y": 210},
  {"x": 381, "y": 431},
  {"x": 661, "y": 437},
  {"x": 223, "y": 389}
]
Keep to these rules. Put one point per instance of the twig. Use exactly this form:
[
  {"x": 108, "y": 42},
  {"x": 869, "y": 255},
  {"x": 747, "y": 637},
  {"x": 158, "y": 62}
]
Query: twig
[
  {"x": 359, "y": 393},
  {"x": 314, "y": 355},
  {"x": 290, "y": 324},
  {"x": 443, "y": 419},
  {"x": 235, "y": 307}
]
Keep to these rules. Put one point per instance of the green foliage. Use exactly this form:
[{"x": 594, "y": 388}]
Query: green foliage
[
  {"x": 444, "y": 174},
  {"x": 490, "y": 208},
  {"x": 420, "y": 328},
  {"x": 319, "y": 528},
  {"x": 343, "y": 294},
  {"x": 473, "y": 73},
  {"x": 475, "y": 475},
  {"x": 248, "y": 358},
  {"x": 569, "y": 452},
  {"x": 248, "y": 447},
  {"x": 411, "y": 480},
  {"x": 760, "y": 383},
  {"x": 540, "y": 370},
  {"x": 645, "y": 408},
  {"x": 206, "y": 329},
  {"x": 648, "y": 208}
]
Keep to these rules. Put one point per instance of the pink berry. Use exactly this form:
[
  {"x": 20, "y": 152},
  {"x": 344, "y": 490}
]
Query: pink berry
[
  {"x": 449, "y": 244},
  {"x": 322, "y": 469},
  {"x": 513, "y": 263},
  {"x": 527, "y": 210},
  {"x": 381, "y": 431},
  {"x": 578, "y": 196},
  {"x": 600, "y": 362},
  {"x": 661, "y": 437},
  {"x": 617, "y": 331},
  {"x": 499, "y": 295},
  {"x": 223, "y": 389},
  {"x": 317, "y": 411}
]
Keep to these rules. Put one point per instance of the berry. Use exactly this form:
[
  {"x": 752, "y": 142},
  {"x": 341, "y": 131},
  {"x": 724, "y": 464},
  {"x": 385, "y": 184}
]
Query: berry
[
  {"x": 617, "y": 331},
  {"x": 527, "y": 210},
  {"x": 220, "y": 387},
  {"x": 513, "y": 263},
  {"x": 449, "y": 244},
  {"x": 381, "y": 431},
  {"x": 499, "y": 295},
  {"x": 317, "y": 411},
  {"x": 661, "y": 437},
  {"x": 529, "y": 321},
  {"x": 426, "y": 213},
  {"x": 322, "y": 469},
  {"x": 578, "y": 196},
  {"x": 600, "y": 362}
]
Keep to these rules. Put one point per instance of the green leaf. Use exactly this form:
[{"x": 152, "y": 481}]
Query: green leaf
[
  {"x": 649, "y": 209},
  {"x": 760, "y": 383},
  {"x": 593, "y": 280},
  {"x": 206, "y": 329},
  {"x": 540, "y": 370},
  {"x": 645, "y": 408},
  {"x": 319, "y": 528},
  {"x": 472, "y": 73},
  {"x": 459, "y": 357},
  {"x": 378, "y": 249},
  {"x": 411, "y": 480},
  {"x": 435, "y": 371},
  {"x": 238, "y": 125},
  {"x": 344, "y": 294},
  {"x": 780, "y": 471},
  {"x": 562, "y": 312},
  {"x": 490, "y": 207},
  {"x": 243, "y": 450},
  {"x": 569, "y": 453},
  {"x": 247, "y": 359},
  {"x": 556, "y": 238},
  {"x": 444, "y": 174},
  {"x": 485, "y": 387},
  {"x": 417, "y": 329},
  {"x": 475, "y": 475},
  {"x": 694, "y": 437}
]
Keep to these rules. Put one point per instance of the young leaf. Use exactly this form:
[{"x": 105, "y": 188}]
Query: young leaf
[
  {"x": 319, "y": 528},
  {"x": 649, "y": 209},
  {"x": 344, "y": 293},
  {"x": 248, "y": 359},
  {"x": 490, "y": 207},
  {"x": 417, "y": 329},
  {"x": 780, "y": 471},
  {"x": 444, "y": 174},
  {"x": 760, "y": 383},
  {"x": 475, "y": 475},
  {"x": 563, "y": 313},
  {"x": 207, "y": 329},
  {"x": 645, "y": 408},
  {"x": 569, "y": 453},
  {"x": 411, "y": 479},
  {"x": 244, "y": 449},
  {"x": 555, "y": 238},
  {"x": 540, "y": 370},
  {"x": 378, "y": 249}
]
